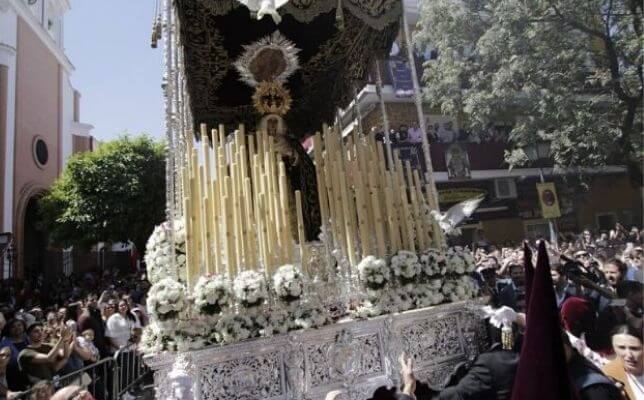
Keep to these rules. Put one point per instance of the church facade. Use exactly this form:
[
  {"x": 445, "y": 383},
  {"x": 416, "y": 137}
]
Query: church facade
[{"x": 39, "y": 125}]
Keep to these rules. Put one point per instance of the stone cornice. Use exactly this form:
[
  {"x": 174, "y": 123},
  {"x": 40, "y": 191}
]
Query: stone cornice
[{"x": 24, "y": 13}]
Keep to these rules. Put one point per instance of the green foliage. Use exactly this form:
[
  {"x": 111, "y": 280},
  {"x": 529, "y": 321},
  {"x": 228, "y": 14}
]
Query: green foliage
[
  {"x": 569, "y": 71},
  {"x": 116, "y": 193}
]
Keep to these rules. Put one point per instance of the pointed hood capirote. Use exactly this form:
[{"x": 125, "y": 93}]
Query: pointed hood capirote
[
  {"x": 542, "y": 372},
  {"x": 528, "y": 270}
]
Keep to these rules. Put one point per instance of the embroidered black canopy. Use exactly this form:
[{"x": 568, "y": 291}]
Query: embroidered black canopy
[{"x": 337, "y": 49}]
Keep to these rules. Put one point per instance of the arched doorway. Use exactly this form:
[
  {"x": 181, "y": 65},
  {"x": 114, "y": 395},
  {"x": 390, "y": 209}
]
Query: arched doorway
[{"x": 35, "y": 240}]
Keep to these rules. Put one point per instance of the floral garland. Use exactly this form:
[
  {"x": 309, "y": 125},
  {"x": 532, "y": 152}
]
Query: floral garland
[
  {"x": 424, "y": 280},
  {"x": 288, "y": 283},
  {"x": 432, "y": 263},
  {"x": 459, "y": 261},
  {"x": 212, "y": 294},
  {"x": 373, "y": 272},
  {"x": 429, "y": 294},
  {"x": 310, "y": 315},
  {"x": 233, "y": 328},
  {"x": 273, "y": 322},
  {"x": 166, "y": 299},
  {"x": 250, "y": 288},
  {"x": 405, "y": 265},
  {"x": 151, "y": 339},
  {"x": 159, "y": 253},
  {"x": 462, "y": 288},
  {"x": 367, "y": 309}
]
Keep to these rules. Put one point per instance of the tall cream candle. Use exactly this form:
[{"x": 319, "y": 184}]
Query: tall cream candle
[{"x": 300, "y": 232}]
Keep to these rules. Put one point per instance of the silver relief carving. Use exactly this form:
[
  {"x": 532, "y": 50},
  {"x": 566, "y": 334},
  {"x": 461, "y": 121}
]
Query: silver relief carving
[{"x": 354, "y": 356}]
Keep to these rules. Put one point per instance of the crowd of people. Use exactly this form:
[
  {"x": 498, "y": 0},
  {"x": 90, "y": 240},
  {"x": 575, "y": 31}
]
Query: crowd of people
[
  {"x": 55, "y": 327},
  {"x": 597, "y": 282},
  {"x": 444, "y": 132}
]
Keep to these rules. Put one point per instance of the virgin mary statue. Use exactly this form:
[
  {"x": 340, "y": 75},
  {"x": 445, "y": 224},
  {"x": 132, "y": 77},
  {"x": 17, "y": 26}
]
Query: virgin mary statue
[{"x": 301, "y": 174}]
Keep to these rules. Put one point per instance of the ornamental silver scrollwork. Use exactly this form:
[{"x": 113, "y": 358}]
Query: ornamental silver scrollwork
[
  {"x": 356, "y": 357},
  {"x": 245, "y": 378}
]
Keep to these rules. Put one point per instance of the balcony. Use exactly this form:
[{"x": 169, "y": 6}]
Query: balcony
[{"x": 479, "y": 156}]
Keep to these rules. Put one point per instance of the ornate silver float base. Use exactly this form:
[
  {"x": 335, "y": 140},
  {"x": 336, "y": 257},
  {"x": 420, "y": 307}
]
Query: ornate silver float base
[{"x": 357, "y": 356}]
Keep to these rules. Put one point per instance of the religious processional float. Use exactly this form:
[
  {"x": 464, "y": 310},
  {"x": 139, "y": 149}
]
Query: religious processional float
[{"x": 276, "y": 277}]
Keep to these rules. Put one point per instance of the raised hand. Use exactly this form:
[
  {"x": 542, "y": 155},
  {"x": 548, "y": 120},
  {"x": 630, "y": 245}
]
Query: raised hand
[{"x": 407, "y": 372}]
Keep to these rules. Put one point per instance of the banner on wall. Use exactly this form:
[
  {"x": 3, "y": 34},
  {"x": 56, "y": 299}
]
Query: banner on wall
[{"x": 548, "y": 200}]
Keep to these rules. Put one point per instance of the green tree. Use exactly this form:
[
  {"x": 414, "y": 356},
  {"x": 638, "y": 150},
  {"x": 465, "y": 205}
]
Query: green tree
[
  {"x": 116, "y": 193},
  {"x": 567, "y": 71}
]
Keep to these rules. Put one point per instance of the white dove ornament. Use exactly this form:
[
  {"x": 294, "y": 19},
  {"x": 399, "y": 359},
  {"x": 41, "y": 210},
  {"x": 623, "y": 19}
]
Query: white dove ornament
[
  {"x": 265, "y": 7},
  {"x": 450, "y": 220}
]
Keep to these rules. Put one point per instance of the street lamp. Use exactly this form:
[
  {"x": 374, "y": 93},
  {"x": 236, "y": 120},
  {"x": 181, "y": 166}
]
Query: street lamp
[{"x": 536, "y": 153}]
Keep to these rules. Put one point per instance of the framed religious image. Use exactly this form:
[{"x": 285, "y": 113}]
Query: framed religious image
[{"x": 458, "y": 162}]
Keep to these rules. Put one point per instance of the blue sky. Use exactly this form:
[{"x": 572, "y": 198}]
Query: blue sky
[{"x": 117, "y": 72}]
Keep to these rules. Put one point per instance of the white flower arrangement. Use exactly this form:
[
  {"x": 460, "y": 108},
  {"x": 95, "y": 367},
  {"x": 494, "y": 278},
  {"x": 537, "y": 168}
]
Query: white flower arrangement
[
  {"x": 193, "y": 327},
  {"x": 179, "y": 235},
  {"x": 151, "y": 339},
  {"x": 166, "y": 299},
  {"x": 403, "y": 298},
  {"x": 459, "y": 261},
  {"x": 212, "y": 294},
  {"x": 463, "y": 288},
  {"x": 159, "y": 253},
  {"x": 455, "y": 263},
  {"x": 191, "y": 334},
  {"x": 233, "y": 328},
  {"x": 273, "y": 322},
  {"x": 405, "y": 265},
  {"x": 288, "y": 282},
  {"x": 373, "y": 272},
  {"x": 432, "y": 263},
  {"x": 427, "y": 295},
  {"x": 423, "y": 280},
  {"x": 470, "y": 262},
  {"x": 367, "y": 309},
  {"x": 250, "y": 288},
  {"x": 470, "y": 286},
  {"x": 310, "y": 316}
]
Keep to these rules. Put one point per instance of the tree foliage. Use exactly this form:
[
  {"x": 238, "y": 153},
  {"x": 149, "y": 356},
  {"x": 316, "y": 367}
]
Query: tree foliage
[
  {"x": 568, "y": 71},
  {"x": 113, "y": 194}
]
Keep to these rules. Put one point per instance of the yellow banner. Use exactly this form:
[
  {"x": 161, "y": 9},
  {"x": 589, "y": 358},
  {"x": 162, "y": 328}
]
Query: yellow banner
[
  {"x": 548, "y": 200},
  {"x": 459, "y": 194}
]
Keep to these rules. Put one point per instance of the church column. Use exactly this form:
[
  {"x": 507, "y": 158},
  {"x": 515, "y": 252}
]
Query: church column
[{"x": 4, "y": 111}]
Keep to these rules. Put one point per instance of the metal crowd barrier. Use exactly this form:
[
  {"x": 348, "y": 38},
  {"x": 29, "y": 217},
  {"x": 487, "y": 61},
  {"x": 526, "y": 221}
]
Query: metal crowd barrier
[
  {"x": 130, "y": 370},
  {"x": 107, "y": 379}
]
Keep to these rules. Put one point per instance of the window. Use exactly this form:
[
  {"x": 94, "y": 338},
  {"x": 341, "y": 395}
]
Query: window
[
  {"x": 505, "y": 188},
  {"x": 40, "y": 152}
]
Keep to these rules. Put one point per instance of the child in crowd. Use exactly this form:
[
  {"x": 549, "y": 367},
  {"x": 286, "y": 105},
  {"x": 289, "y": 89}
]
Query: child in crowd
[{"x": 86, "y": 341}]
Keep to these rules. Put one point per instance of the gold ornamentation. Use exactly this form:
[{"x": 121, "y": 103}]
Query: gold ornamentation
[
  {"x": 272, "y": 98},
  {"x": 272, "y": 58}
]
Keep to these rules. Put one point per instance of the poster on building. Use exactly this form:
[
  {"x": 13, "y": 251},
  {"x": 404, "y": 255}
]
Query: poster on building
[
  {"x": 458, "y": 162},
  {"x": 548, "y": 200}
]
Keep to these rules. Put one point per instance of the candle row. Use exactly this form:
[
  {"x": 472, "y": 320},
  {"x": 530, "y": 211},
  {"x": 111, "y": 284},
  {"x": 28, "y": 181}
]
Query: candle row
[
  {"x": 237, "y": 205},
  {"x": 370, "y": 208}
]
